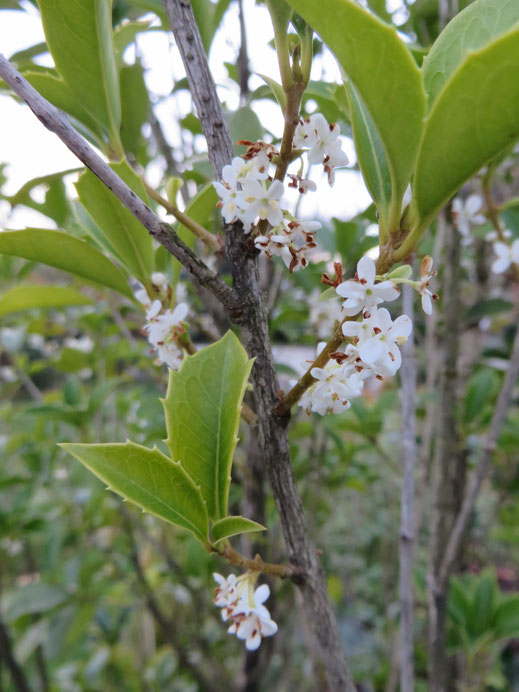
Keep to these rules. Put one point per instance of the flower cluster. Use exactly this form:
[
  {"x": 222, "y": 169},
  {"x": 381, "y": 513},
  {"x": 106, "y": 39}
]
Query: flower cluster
[
  {"x": 374, "y": 340},
  {"x": 240, "y": 603},
  {"x": 322, "y": 140},
  {"x": 248, "y": 192},
  {"x": 164, "y": 326}
]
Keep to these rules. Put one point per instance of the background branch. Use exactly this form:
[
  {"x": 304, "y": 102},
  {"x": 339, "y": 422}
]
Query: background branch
[{"x": 56, "y": 121}]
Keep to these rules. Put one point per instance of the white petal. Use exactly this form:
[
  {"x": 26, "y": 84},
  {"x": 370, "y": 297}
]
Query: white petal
[
  {"x": 366, "y": 270},
  {"x": 402, "y": 327},
  {"x": 386, "y": 290},
  {"x": 427, "y": 302},
  {"x": 371, "y": 350},
  {"x": 261, "y": 594},
  {"x": 179, "y": 313}
]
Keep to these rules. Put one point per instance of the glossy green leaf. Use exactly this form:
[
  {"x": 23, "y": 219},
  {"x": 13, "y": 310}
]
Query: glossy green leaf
[
  {"x": 201, "y": 209},
  {"x": 474, "y": 118},
  {"x": 232, "y": 526},
  {"x": 386, "y": 77},
  {"x": 148, "y": 479},
  {"x": 65, "y": 252},
  {"x": 371, "y": 155},
  {"x": 135, "y": 106},
  {"x": 52, "y": 87},
  {"x": 37, "y": 296},
  {"x": 475, "y": 27},
  {"x": 129, "y": 238},
  {"x": 79, "y": 36},
  {"x": 202, "y": 410}
]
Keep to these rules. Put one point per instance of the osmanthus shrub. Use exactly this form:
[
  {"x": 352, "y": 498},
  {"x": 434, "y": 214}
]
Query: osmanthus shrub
[{"x": 420, "y": 133}]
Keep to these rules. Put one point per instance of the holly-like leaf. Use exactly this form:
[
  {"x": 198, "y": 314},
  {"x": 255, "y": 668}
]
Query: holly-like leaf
[
  {"x": 79, "y": 36},
  {"x": 148, "y": 479},
  {"x": 130, "y": 239},
  {"x": 385, "y": 75},
  {"x": 232, "y": 526},
  {"x": 473, "y": 119},
  {"x": 479, "y": 23},
  {"x": 63, "y": 251},
  {"x": 28, "y": 297},
  {"x": 202, "y": 410}
]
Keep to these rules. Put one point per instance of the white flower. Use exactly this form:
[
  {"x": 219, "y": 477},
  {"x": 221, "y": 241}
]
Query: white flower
[
  {"x": 378, "y": 339},
  {"x": 159, "y": 280},
  {"x": 423, "y": 289},
  {"x": 259, "y": 202},
  {"x": 323, "y": 141},
  {"x": 362, "y": 293},
  {"x": 229, "y": 199},
  {"x": 465, "y": 214},
  {"x": 163, "y": 330},
  {"x": 506, "y": 255},
  {"x": 250, "y": 618}
]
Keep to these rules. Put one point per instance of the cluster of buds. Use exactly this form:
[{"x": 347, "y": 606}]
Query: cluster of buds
[
  {"x": 373, "y": 336},
  {"x": 164, "y": 327},
  {"x": 242, "y": 605}
]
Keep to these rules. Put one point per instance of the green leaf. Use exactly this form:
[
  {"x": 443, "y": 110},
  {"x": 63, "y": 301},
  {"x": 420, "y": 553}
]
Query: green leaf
[
  {"x": 201, "y": 209},
  {"x": 386, "y": 77},
  {"x": 135, "y": 106},
  {"x": 52, "y": 87},
  {"x": 245, "y": 124},
  {"x": 475, "y": 27},
  {"x": 149, "y": 479},
  {"x": 79, "y": 36},
  {"x": 232, "y": 526},
  {"x": 480, "y": 391},
  {"x": 371, "y": 155},
  {"x": 65, "y": 252},
  {"x": 275, "y": 88},
  {"x": 506, "y": 620},
  {"x": 28, "y": 297},
  {"x": 130, "y": 239},
  {"x": 32, "y": 599},
  {"x": 473, "y": 119},
  {"x": 202, "y": 410}
]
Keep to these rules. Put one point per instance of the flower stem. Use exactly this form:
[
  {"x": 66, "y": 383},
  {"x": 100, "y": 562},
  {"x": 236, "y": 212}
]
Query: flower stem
[{"x": 256, "y": 564}]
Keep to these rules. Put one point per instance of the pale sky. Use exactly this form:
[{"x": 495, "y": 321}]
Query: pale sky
[{"x": 31, "y": 151}]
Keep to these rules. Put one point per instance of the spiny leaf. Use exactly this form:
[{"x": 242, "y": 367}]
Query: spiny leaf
[
  {"x": 149, "y": 479},
  {"x": 202, "y": 410}
]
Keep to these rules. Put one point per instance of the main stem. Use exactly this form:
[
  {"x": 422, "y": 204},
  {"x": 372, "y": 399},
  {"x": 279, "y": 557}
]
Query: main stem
[{"x": 252, "y": 317}]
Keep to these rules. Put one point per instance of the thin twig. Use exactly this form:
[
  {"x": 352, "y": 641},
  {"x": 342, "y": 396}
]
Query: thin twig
[
  {"x": 408, "y": 380},
  {"x": 56, "y": 121},
  {"x": 256, "y": 564},
  {"x": 480, "y": 473},
  {"x": 202, "y": 233},
  {"x": 18, "y": 678}
]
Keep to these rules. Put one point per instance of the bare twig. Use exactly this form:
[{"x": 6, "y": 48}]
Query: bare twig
[
  {"x": 18, "y": 678},
  {"x": 273, "y": 436},
  {"x": 408, "y": 380},
  {"x": 202, "y": 233},
  {"x": 448, "y": 463},
  {"x": 480, "y": 473},
  {"x": 57, "y": 122}
]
